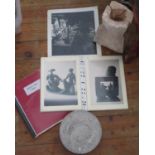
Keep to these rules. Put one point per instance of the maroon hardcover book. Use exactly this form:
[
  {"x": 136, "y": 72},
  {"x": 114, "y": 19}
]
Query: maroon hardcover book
[{"x": 27, "y": 93}]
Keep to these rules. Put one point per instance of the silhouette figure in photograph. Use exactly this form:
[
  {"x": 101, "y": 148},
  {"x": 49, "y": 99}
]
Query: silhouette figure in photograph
[
  {"x": 69, "y": 83},
  {"x": 53, "y": 81},
  {"x": 112, "y": 92}
]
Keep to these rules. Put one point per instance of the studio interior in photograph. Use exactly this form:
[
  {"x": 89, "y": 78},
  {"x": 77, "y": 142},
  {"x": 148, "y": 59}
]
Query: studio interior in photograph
[{"x": 77, "y": 55}]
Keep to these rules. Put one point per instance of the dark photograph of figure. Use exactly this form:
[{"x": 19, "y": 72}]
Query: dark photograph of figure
[
  {"x": 69, "y": 83},
  {"x": 73, "y": 33},
  {"x": 60, "y": 84},
  {"x": 107, "y": 89},
  {"x": 105, "y": 81},
  {"x": 53, "y": 81}
]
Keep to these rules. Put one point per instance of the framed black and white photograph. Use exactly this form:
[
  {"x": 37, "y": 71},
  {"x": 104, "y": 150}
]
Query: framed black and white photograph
[
  {"x": 106, "y": 83},
  {"x": 71, "y": 31},
  {"x": 59, "y": 89}
]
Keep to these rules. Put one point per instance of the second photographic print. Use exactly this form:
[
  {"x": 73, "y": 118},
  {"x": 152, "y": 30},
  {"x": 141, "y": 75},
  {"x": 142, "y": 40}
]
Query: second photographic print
[{"x": 107, "y": 83}]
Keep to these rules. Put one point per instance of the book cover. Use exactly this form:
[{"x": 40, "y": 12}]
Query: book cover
[
  {"x": 27, "y": 101},
  {"x": 83, "y": 82}
]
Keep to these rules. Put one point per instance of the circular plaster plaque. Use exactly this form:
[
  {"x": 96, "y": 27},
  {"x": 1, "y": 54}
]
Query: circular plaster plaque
[{"x": 80, "y": 132}]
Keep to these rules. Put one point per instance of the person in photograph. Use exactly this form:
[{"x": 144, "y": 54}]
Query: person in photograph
[
  {"x": 69, "y": 83},
  {"x": 113, "y": 91},
  {"x": 63, "y": 29},
  {"x": 53, "y": 81},
  {"x": 56, "y": 27},
  {"x": 112, "y": 88},
  {"x": 111, "y": 71},
  {"x": 83, "y": 40},
  {"x": 60, "y": 31}
]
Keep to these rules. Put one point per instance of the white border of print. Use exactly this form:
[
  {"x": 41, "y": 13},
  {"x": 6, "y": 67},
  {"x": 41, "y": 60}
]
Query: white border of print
[
  {"x": 112, "y": 105},
  {"x": 49, "y": 13},
  {"x": 59, "y": 108}
]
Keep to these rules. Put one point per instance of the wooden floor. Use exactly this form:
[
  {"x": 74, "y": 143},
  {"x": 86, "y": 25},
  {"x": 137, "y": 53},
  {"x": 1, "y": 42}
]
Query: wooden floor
[{"x": 120, "y": 128}]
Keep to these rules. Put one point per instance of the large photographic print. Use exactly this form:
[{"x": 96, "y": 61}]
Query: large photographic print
[
  {"x": 71, "y": 31},
  {"x": 59, "y": 86},
  {"x": 107, "y": 83}
]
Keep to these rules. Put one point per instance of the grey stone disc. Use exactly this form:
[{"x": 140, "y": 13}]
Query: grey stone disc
[{"x": 80, "y": 132}]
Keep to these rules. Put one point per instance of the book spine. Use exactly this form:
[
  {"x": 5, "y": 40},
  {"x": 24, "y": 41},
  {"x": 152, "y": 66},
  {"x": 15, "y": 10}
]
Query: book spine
[
  {"x": 83, "y": 84},
  {"x": 22, "y": 114}
]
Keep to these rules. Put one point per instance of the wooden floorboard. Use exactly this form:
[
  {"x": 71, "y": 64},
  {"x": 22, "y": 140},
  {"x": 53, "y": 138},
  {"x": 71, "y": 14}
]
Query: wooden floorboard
[{"x": 118, "y": 146}]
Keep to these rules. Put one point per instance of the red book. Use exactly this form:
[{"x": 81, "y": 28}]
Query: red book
[{"x": 27, "y": 93}]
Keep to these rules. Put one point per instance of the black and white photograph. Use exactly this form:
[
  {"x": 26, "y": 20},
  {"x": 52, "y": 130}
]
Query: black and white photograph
[
  {"x": 106, "y": 82},
  {"x": 59, "y": 83},
  {"x": 71, "y": 31}
]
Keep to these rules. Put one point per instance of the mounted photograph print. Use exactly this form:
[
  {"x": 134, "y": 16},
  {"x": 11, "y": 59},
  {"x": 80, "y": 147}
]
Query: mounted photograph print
[
  {"x": 72, "y": 31},
  {"x": 58, "y": 83},
  {"x": 83, "y": 82},
  {"x": 106, "y": 83}
]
